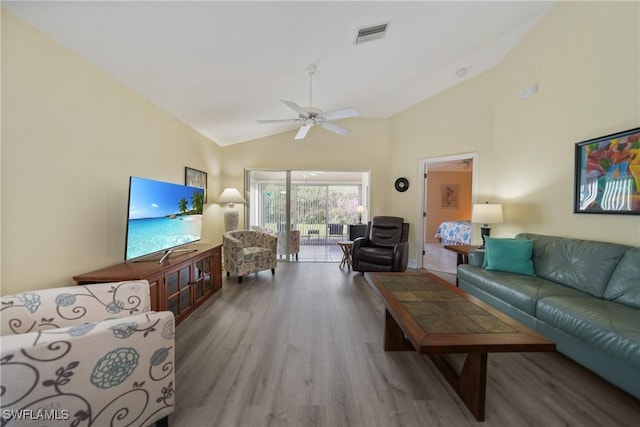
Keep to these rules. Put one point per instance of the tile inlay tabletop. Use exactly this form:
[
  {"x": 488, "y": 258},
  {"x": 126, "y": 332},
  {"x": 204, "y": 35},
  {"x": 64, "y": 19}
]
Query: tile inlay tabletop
[{"x": 428, "y": 315}]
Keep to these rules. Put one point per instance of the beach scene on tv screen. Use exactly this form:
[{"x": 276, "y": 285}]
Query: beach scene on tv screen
[{"x": 162, "y": 216}]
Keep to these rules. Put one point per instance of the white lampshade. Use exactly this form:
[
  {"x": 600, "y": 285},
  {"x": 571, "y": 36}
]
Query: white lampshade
[
  {"x": 487, "y": 213},
  {"x": 231, "y": 195},
  {"x": 360, "y": 212}
]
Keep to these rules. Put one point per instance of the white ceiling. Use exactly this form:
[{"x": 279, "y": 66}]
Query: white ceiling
[{"x": 219, "y": 66}]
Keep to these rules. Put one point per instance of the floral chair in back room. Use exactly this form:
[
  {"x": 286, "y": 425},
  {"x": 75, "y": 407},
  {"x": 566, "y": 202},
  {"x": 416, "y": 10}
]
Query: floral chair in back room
[
  {"x": 294, "y": 243},
  {"x": 294, "y": 240},
  {"x": 93, "y": 355}
]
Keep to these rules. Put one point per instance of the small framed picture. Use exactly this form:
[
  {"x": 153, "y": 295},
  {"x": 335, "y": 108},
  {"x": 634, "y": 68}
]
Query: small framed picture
[
  {"x": 196, "y": 178},
  {"x": 449, "y": 195},
  {"x": 607, "y": 174}
]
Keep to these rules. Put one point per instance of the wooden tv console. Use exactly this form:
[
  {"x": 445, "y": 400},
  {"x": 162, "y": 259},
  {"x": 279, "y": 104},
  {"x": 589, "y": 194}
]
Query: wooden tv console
[{"x": 180, "y": 284}]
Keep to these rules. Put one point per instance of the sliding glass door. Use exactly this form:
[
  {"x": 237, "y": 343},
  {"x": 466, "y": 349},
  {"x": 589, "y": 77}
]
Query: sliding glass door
[{"x": 305, "y": 208}]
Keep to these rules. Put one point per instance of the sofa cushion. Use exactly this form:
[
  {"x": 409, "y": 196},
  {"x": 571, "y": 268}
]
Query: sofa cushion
[
  {"x": 581, "y": 264},
  {"x": 511, "y": 255},
  {"x": 523, "y": 292},
  {"x": 607, "y": 325},
  {"x": 624, "y": 286}
]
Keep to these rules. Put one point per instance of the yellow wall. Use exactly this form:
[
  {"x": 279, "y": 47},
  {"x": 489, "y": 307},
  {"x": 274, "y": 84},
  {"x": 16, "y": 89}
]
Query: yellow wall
[
  {"x": 585, "y": 58},
  {"x": 364, "y": 150},
  {"x": 71, "y": 137},
  {"x": 457, "y": 121}
]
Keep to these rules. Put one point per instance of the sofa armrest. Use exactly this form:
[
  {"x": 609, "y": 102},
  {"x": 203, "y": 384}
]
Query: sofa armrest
[
  {"x": 69, "y": 305},
  {"x": 361, "y": 242},
  {"x": 272, "y": 242},
  {"x": 476, "y": 257},
  {"x": 232, "y": 242},
  {"x": 233, "y": 252},
  {"x": 400, "y": 256},
  {"x": 358, "y": 243},
  {"x": 93, "y": 373}
]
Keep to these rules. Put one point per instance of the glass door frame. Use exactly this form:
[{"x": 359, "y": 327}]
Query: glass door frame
[{"x": 249, "y": 212}]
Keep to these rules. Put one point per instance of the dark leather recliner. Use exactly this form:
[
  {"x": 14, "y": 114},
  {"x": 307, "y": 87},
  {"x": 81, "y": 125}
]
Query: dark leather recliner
[{"x": 384, "y": 247}]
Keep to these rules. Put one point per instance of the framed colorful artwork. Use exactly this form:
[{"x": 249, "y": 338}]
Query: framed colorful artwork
[{"x": 607, "y": 174}]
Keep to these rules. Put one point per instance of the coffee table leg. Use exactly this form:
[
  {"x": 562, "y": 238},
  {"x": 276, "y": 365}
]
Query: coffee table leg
[
  {"x": 470, "y": 383},
  {"x": 473, "y": 383},
  {"x": 394, "y": 339}
]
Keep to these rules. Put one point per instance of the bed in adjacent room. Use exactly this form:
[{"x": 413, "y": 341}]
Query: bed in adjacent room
[{"x": 454, "y": 233}]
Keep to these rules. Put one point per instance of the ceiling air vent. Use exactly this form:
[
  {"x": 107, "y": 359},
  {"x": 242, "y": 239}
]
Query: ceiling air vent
[{"x": 371, "y": 33}]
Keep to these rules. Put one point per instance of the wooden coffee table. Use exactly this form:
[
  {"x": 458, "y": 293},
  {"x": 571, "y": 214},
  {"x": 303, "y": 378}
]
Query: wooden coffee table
[{"x": 430, "y": 316}]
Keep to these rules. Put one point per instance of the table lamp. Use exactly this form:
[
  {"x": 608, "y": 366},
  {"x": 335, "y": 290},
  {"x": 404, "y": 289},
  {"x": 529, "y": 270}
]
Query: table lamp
[
  {"x": 360, "y": 212},
  {"x": 231, "y": 216},
  {"x": 485, "y": 214}
]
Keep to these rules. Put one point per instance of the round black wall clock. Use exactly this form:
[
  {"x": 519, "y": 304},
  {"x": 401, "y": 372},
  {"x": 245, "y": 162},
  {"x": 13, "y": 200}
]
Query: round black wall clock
[{"x": 402, "y": 184}]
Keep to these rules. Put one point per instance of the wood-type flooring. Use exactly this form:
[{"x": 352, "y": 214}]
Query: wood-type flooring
[{"x": 304, "y": 348}]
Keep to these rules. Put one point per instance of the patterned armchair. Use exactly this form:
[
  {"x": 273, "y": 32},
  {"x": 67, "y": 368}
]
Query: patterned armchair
[
  {"x": 89, "y": 355},
  {"x": 248, "y": 251},
  {"x": 294, "y": 243}
]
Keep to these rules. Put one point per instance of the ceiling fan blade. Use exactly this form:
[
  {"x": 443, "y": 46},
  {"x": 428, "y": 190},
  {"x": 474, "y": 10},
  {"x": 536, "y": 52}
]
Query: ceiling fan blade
[
  {"x": 334, "y": 128},
  {"x": 295, "y": 107},
  {"x": 341, "y": 114},
  {"x": 303, "y": 131},
  {"x": 279, "y": 121}
]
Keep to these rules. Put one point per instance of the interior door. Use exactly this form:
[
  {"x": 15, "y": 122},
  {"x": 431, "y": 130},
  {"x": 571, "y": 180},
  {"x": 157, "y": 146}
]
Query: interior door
[{"x": 444, "y": 172}]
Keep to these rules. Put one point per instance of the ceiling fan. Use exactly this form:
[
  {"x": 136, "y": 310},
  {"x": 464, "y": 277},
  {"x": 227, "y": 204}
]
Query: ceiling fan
[{"x": 311, "y": 116}]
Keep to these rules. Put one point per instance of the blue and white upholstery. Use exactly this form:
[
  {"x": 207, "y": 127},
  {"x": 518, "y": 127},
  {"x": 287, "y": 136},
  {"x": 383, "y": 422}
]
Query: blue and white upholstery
[{"x": 91, "y": 355}]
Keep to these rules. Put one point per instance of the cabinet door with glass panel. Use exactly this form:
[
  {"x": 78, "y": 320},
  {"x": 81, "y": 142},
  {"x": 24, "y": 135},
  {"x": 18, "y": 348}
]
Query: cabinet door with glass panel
[
  {"x": 205, "y": 282},
  {"x": 178, "y": 285}
]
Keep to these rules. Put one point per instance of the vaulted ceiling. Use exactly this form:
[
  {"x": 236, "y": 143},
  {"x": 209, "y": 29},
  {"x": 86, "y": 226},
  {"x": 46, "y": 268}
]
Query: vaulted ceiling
[{"x": 220, "y": 66}]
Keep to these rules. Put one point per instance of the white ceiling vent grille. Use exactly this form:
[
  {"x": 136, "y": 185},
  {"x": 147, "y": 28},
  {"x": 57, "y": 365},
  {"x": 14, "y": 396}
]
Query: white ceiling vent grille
[{"x": 373, "y": 32}]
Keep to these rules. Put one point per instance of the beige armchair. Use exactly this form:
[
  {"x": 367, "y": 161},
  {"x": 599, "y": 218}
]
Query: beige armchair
[
  {"x": 86, "y": 355},
  {"x": 248, "y": 251}
]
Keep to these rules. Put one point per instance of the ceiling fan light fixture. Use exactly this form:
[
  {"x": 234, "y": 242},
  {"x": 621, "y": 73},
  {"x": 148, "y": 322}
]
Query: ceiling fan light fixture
[
  {"x": 311, "y": 116},
  {"x": 372, "y": 32}
]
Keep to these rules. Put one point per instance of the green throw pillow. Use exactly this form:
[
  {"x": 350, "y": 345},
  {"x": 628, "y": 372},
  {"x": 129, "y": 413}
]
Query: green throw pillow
[{"x": 512, "y": 255}]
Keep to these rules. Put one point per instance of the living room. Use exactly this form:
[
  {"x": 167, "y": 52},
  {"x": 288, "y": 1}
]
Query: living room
[
  {"x": 56, "y": 137},
  {"x": 72, "y": 136}
]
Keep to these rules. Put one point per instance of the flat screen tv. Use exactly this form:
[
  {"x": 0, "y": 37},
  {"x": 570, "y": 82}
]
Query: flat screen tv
[{"x": 161, "y": 217}]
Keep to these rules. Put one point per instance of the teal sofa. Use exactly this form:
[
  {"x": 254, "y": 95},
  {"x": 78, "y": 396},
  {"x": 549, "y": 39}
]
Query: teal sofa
[{"x": 585, "y": 296}]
